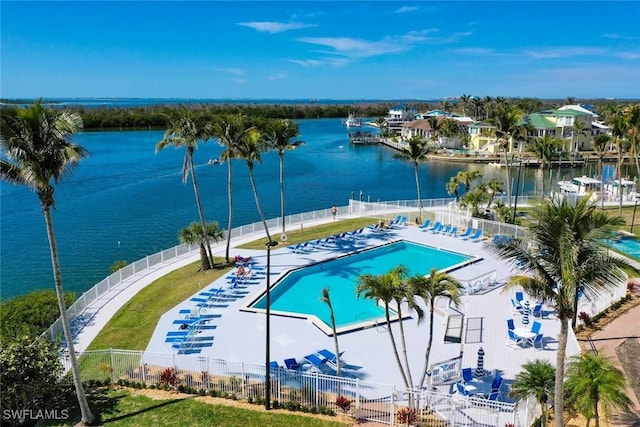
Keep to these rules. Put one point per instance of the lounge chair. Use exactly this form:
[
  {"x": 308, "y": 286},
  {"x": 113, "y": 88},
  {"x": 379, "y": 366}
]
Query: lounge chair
[
  {"x": 493, "y": 395},
  {"x": 331, "y": 358},
  {"x": 496, "y": 384},
  {"x": 444, "y": 230},
  {"x": 462, "y": 391},
  {"x": 510, "y": 324},
  {"x": 425, "y": 225},
  {"x": 466, "y": 233},
  {"x": 537, "y": 311},
  {"x": 435, "y": 226},
  {"x": 274, "y": 365},
  {"x": 453, "y": 232},
  {"x": 538, "y": 342},
  {"x": 292, "y": 364},
  {"x": 476, "y": 237},
  {"x": 316, "y": 362}
]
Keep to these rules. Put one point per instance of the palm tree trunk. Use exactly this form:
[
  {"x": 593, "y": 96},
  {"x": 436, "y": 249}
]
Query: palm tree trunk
[
  {"x": 601, "y": 169},
  {"x": 558, "y": 399},
  {"x": 542, "y": 167},
  {"x": 429, "y": 343},
  {"x": 415, "y": 166},
  {"x": 282, "y": 191},
  {"x": 403, "y": 341},
  {"x": 619, "y": 180},
  {"x": 506, "y": 162},
  {"x": 258, "y": 206},
  {"x": 230, "y": 198},
  {"x": 393, "y": 345},
  {"x": 205, "y": 236},
  {"x": 85, "y": 411},
  {"x": 596, "y": 414}
]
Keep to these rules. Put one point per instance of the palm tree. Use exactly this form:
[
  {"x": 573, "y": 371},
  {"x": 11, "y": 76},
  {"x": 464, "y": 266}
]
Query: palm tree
[
  {"x": 619, "y": 134},
  {"x": 600, "y": 147},
  {"x": 381, "y": 122},
  {"x": 563, "y": 258},
  {"x": 453, "y": 186},
  {"x": 417, "y": 150},
  {"x": 545, "y": 149},
  {"x": 506, "y": 121},
  {"x": 467, "y": 177},
  {"x": 229, "y": 130},
  {"x": 535, "y": 379},
  {"x": 325, "y": 298},
  {"x": 579, "y": 128},
  {"x": 464, "y": 100},
  {"x": 192, "y": 235},
  {"x": 184, "y": 132},
  {"x": 593, "y": 382},
  {"x": 278, "y": 134},
  {"x": 477, "y": 106},
  {"x": 632, "y": 118},
  {"x": 35, "y": 143},
  {"x": 493, "y": 186},
  {"x": 436, "y": 284},
  {"x": 382, "y": 288},
  {"x": 250, "y": 148},
  {"x": 474, "y": 199}
]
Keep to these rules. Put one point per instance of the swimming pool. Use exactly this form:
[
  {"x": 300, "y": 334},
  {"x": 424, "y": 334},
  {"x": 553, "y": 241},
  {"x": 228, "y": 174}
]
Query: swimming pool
[
  {"x": 298, "y": 293},
  {"x": 627, "y": 245}
]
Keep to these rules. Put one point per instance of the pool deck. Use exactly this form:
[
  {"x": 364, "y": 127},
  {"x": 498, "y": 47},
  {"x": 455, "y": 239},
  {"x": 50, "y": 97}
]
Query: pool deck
[{"x": 240, "y": 336}]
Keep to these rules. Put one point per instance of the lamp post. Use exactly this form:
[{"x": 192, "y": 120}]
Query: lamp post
[
  {"x": 267, "y": 381},
  {"x": 633, "y": 219}
]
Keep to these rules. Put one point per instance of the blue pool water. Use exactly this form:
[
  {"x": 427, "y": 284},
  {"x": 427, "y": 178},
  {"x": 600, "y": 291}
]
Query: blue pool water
[
  {"x": 299, "y": 292},
  {"x": 627, "y": 245}
]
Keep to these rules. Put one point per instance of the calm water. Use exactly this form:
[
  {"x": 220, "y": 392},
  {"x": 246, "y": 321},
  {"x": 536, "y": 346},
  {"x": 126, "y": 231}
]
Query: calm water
[
  {"x": 291, "y": 293},
  {"x": 125, "y": 202}
]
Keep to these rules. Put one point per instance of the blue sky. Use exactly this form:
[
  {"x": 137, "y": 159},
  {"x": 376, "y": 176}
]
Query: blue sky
[{"x": 320, "y": 49}]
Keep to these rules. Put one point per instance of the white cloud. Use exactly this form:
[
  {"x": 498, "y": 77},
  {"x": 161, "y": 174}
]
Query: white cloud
[
  {"x": 475, "y": 51},
  {"x": 277, "y": 76},
  {"x": 564, "y": 52},
  {"x": 234, "y": 71},
  {"x": 619, "y": 36},
  {"x": 406, "y": 9},
  {"x": 274, "y": 27}
]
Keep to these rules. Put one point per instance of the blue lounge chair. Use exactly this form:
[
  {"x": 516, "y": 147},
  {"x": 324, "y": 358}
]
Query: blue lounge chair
[
  {"x": 331, "y": 358},
  {"x": 462, "y": 391},
  {"x": 538, "y": 342},
  {"x": 292, "y": 364},
  {"x": 444, "y": 230},
  {"x": 453, "y": 232},
  {"x": 493, "y": 395},
  {"x": 435, "y": 226},
  {"x": 425, "y": 225},
  {"x": 476, "y": 237},
  {"x": 537, "y": 311},
  {"x": 466, "y": 233},
  {"x": 467, "y": 375},
  {"x": 316, "y": 362},
  {"x": 510, "y": 324},
  {"x": 274, "y": 365},
  {"x": 496, "y": 384}
]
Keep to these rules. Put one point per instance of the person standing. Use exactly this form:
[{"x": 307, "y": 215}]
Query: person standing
[{"x": 334, "y": 211}]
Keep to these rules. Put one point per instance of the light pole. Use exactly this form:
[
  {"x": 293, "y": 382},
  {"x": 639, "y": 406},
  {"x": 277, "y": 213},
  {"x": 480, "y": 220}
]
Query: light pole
[
  {"x": 267, "y": 380},
  {"x": 633, "y": 219}
]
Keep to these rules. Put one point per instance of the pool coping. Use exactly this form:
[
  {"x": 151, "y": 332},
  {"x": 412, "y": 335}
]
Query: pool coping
[{"x": 353, "y": 327}]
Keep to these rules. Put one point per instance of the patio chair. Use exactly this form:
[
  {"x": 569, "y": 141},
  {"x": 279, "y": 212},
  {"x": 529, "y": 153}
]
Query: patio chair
[
  {"x": 493, "y": 395},
  {"x": 467, "y": 375},
  {"x": 538, "y": 342},
  {"x": 496, "y": 384},
  {"x": 513, "y": 340},
  {"x": 510, "y": 324},
  {"x": 466, "y": 233},
  {"x": 462, "y": 391},
  {"x": 537, "y": 310},
  {"x": 535, "y": 327},
  {"x": 519, "y": 297},
  {"x": 292, "y": 364},
  {"x": 516, "y": 308}
]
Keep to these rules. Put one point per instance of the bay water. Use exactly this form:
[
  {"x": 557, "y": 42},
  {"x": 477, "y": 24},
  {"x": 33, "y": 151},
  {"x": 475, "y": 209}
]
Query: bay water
[{"x": 125, "y": 201}]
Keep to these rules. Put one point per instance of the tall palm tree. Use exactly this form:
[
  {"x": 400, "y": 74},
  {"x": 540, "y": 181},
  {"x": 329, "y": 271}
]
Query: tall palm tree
[
  {"x": 38, "y": 154},
  {"x": 250, "y": 148},
  {"x": 619, "y": 134},
  {"x": 545, "y": 149},
  {"x": 493, "y": 186},
  {"x": 278, "y": 134},
  {"x": 474, "y": 198},
  {"x": 326, "y": 298},
  {"x": 183, "y": 131},
  {"x": 506, "y": 121},
  {"x": 535, "y": 379},
  {"x": 578, "y": 128},
  {"x": 601, "y": 147},
  {"x": 632, "y": 119},
  {"x": 436, "y": 284},
  {"x": 192, "y": 235},
  {"x": 229, "y": 130},
  {"x": 381, "y": 287},
  {"x": 593, "y": 382},
  {"x": 561, "y": 259},
  {"x": 464, "y": 101},
  {"x": 417, "y": 151},
  {"x": 477, "y": 106},
  {"x": 453, "y": 186}
]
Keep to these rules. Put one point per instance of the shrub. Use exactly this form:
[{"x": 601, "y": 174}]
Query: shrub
[
  {"x": 407, "y": 415},
  {"x": 168, "y": 378},
  {"x": 585, "y": 317},
  {"x": 343, "y": 403}
]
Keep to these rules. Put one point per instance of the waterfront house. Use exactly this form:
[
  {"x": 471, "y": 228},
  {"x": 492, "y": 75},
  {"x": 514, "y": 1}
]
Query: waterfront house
[{"x": 399, "y": 115}]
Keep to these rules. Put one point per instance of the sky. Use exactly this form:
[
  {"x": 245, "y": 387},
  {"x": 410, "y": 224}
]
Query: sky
[{"x": 319, "y": 49}]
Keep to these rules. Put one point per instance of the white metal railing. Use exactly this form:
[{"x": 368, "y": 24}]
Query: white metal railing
[{"x": 370, "y": 401}]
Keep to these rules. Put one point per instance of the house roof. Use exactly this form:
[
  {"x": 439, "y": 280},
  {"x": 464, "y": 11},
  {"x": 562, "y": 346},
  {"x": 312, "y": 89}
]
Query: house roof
[
  {"x": 481, "y": 125},
  {"x": 567, "y": 112},
  {"x": 599, "y": 125},
  {"x": 417, "y": 124},
  {"x": 580, "y": 108},
  {"x": 538, "y": 121}
]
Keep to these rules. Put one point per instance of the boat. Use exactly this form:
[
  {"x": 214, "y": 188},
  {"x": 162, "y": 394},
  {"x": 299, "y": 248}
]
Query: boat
[
  {"x": 214, "y": 161},
  {"x": 580, "y": 186},
  {"x": 362, "y": 138},
  {"x": 629, "y": 189},
  {"x": 352, "y": 121}
]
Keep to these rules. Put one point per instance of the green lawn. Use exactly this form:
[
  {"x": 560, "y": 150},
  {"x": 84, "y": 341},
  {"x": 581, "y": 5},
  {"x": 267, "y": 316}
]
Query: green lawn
[
  {"x": 121, "y": 408},
  {"x": 132, "y": 326}
]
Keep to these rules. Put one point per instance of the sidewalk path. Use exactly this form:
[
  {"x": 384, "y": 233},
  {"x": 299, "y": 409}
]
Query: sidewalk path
[{"x": 612, "y": 336}]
